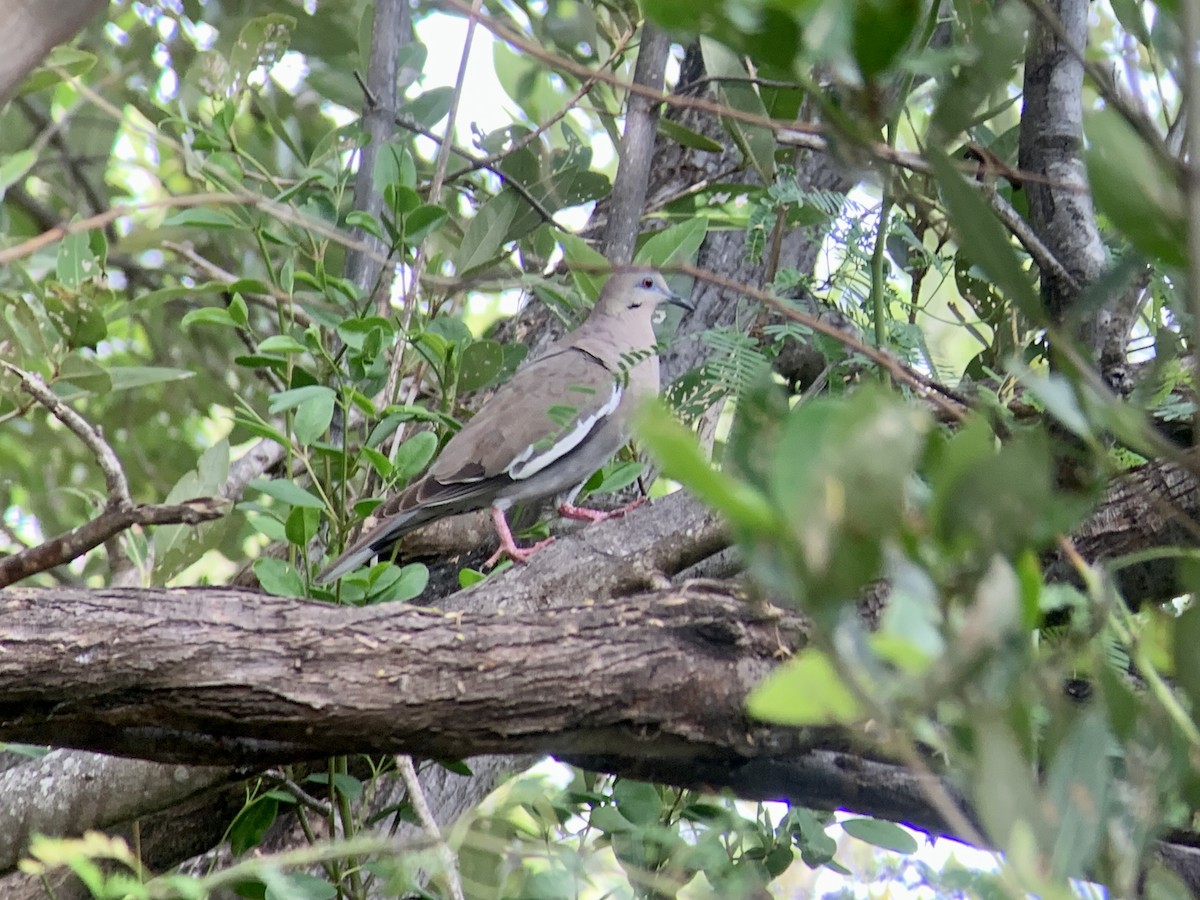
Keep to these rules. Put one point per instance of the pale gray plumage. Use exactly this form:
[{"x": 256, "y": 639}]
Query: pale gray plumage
[{"x": 543, "y": 432}]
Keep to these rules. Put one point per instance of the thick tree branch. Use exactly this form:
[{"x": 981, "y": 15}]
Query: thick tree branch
[
  {"x": 227, "y": 676},
  {"x": 42, "y": 795}
]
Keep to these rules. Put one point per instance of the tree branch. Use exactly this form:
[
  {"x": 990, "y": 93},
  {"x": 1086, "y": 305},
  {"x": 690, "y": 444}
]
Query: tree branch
[
  {"x": 227, "y": 676},
  {"x": 66, "y": 547}
]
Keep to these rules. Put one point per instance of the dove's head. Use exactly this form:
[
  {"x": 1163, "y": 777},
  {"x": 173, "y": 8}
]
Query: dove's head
[{"x": 635, "y": 294}]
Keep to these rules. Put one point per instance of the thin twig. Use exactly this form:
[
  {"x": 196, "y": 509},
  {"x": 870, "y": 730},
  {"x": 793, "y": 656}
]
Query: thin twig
[
  {"x": 416, "y": 796},
  {"x": 443, "y": 157},
  {"x": 410, "y": 124},
  {"x": 807, "y": 135},
  {"x": 277, "y": 210},
  {"x": 1023, "y": 232},
  {"x": 114, "y": 475},
  {"x": 281, "y": 779},
  {"x": 66, "y": 547},
  {"x": 524, "y": 141},
  {"x": 274, "y": 300},
  {"x": 948, "y": 401}
]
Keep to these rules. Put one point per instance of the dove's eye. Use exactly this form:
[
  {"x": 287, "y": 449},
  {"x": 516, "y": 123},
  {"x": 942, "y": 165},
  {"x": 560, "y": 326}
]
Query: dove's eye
[{"x": 647, "y": 282}]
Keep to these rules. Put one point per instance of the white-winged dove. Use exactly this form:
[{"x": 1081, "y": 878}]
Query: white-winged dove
[{"x": 543, "y": 432}]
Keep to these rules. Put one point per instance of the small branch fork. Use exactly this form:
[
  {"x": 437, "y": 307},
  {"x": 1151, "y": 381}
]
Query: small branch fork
[{"x": 120, "y": 512}]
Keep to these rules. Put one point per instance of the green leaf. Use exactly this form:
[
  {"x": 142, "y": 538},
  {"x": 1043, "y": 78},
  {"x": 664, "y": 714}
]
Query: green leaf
[
  {"x": 1134, "y": 187},
  {"x": 619, "y": 476},
  {"x": 398, "y": 584},
  {"x": 638, "y": 802},
  {"x": 297, "y": 886},
  {"x": 301, "y": 526},
  {"x": 262, "y": 42},
  {"x": 76, "y": 316},
  {"x": 288, "y": 492},
  {"x": 208, "y": 315},
  {"x": 422, "y": 221},
  {"x": 394, "y": 166},
  {"x": 468, "y": 577},
  {"x": 76, "y": 262},
  {"x": 481, "y": 364},
  {"x": 607, "y": 820},
  {"x": 84, "y": 374},
  {"x": 128, "y": 377},
  {"x": 290, "y": 399},
  {"x": 1185, "y": 640},
  {"x": 1000, "y": 45},
  {"x": 841, "y": 497},
  {"x": 367, "y": 222},
  {"x": 455, "y": 767},
  {"x": 589, "y": 268},
  {"x": 966, "y": 512},
  {"x": 805, "y": 690},
  {"x": 1005, "y": 792},
  {"x": 250, "y": 825},
  {"x": 878, "y": 833},
  {"x": 817, "y": 848},
  {"x": 429, "y": 107},
  {"x": 414, "y": 454},
  {"x": 401, "y": 199},
  {"x": 278, "y": 577},
  {"x": 674, "y": 245},
  {"x": 677, "y": 451},
  {"x": 280, "y": 343},
  {"x": 756, "y": 142},
  {"x": 398, "y": 415},
  {"x": 1079, "y": 786},
  {"x": 313, "y": 416},
  {"x": 14, "y": 167},
  {"x": 687, "y": 137},
  {"x": 880, "y": 29},
  {"x": 1130, "y": 14},
  {"x": 1058, "y": 395},
  {"x": 62, "y": 62},
  {"x": 345, "y": 784},
  {"x": 356, "y": 331},
  {"x": 178, "y": 546},
  {"x": 484, "y": 236},
  {"x": 983, "y": 239}
]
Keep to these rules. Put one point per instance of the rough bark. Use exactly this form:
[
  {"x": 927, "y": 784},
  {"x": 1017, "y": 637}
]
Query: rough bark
[
  {"x": 1154, "y": 505},
  {"x": 391, "y": 30},
  {"x": 1051, "y": 145},
  {"x": 628, "y": 199},
  {"x": 229, "y": 676},
  {"x": 41, "y": 795},
  {"x": 681, "y": 168}
]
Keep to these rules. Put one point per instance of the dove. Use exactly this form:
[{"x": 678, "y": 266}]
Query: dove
[{"x": 543, "y": 432}]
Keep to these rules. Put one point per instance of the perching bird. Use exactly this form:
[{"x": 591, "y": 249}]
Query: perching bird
[{"x": 543, "y": 432}]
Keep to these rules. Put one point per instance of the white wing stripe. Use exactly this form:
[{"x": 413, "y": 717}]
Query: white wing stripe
[{"x": 526, "y": 464}]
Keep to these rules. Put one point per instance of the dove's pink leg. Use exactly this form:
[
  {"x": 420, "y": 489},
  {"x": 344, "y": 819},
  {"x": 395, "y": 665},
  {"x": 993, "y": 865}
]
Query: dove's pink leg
[
  {"x": 571, "y": 511},
  {"x": 508, "y": 547}
]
